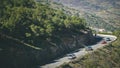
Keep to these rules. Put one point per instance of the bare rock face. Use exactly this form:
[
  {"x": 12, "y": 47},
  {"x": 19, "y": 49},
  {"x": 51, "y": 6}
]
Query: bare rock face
[{"x": 68, "y": 44}]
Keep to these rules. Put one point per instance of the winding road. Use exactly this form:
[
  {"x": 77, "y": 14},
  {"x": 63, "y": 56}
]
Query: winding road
[{"x": 80, "y": 53}]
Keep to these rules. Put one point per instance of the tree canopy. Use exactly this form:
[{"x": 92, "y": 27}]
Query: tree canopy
[{"x": 31, "y": 21}]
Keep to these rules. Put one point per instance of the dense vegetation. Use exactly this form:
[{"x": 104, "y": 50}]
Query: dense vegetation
[
  {"x": 33, "y": 22},
  {"x": 108, "y": 57}
]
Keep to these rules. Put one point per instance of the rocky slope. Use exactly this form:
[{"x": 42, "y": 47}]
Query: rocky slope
[{"x": 16, "y": 55}]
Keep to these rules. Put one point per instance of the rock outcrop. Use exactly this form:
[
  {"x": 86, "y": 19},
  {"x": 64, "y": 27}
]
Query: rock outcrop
[{"x": 22, "y": 56}]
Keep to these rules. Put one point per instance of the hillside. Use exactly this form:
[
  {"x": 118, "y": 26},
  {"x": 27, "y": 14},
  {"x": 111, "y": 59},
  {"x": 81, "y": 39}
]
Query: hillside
[
  {"x": 97, "y": 13},
  {"x": 30, "y": 21},
  {"x": 33, "y": 33}
]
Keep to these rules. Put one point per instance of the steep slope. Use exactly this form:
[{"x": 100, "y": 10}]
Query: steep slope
[
  {"x": 33, "y": 33},
  {"x": 31, "y": 21}
]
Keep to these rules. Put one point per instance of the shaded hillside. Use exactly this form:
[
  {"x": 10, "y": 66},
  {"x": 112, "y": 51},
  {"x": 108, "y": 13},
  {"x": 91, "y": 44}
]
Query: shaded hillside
[
  {"x": 31, "y": 22},
  {"x": 33, "y": 33}
]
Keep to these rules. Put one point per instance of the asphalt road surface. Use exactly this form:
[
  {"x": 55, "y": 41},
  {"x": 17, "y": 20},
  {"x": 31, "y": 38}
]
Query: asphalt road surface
[{"x": 81, "y": 52}]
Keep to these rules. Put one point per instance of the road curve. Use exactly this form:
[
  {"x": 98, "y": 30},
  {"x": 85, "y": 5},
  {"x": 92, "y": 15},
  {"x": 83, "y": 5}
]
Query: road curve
[{"x": 80, "y": 53}]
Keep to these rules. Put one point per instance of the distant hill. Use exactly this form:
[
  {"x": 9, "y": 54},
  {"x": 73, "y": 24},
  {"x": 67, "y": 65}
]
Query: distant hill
[{"x": 98, "y": 13}]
